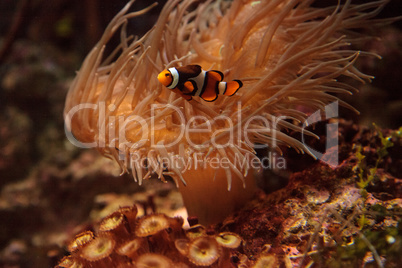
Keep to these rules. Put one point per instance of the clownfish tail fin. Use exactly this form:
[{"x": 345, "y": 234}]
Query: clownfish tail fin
[{"x": 232, "y": 87}]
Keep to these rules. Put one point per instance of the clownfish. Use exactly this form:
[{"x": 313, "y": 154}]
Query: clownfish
[{"x": 192, "y": 80}]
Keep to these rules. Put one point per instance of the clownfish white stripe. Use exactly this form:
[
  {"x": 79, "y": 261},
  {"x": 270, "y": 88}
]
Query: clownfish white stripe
[
  {"x": 175, "y": 75},
  {"x": 200, "y": 82},
  {"x": 222, "y": 88},
  {"x": 192, "y": 80}
]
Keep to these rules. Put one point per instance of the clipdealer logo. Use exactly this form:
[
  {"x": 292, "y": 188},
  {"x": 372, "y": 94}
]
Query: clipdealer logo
[{"x": 234, "y": 131}]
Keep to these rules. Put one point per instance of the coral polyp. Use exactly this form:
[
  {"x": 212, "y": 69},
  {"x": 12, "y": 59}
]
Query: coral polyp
[
  {"x": 133, "y": 248},
  {"x": 157, "y": 241},
  {"x": 151, "y": 225},
  {"x": 80, "y": 240},
  {"x": 116, "y": 221},
  {"x": 97, "y": 249},
  {"x": 229, "y": 240},
  {"x": 153, "y": 260},
  {"x": 203, "y": 251}
]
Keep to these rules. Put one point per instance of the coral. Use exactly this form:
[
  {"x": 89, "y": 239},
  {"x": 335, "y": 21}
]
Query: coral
[{"x": 155, "y": 240}]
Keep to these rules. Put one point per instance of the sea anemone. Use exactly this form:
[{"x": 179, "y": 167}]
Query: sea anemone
[{"x": 288, "y": 54}]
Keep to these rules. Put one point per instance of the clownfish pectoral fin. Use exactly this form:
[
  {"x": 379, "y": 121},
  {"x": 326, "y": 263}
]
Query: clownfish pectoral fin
[
  {"x": 188, "y": 87},
  {"x": 216, "y": 75},
  {"x": 232, "y": 87}
]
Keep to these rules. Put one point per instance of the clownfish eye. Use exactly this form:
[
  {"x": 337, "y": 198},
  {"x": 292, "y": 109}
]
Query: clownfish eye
[{"x": 167, "y": 74}]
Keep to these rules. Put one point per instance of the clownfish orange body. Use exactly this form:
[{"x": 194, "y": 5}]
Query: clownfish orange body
[{"x": 192, "y": 80}]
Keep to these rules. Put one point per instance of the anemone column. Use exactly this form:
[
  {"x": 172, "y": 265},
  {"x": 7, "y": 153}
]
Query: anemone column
[{"x": 206, "y": 195}]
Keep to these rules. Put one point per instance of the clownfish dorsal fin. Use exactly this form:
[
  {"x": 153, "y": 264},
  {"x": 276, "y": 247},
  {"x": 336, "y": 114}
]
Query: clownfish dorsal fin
[
  {"x": 189, "y": 71},
  {"x": 217, "y": 75}
]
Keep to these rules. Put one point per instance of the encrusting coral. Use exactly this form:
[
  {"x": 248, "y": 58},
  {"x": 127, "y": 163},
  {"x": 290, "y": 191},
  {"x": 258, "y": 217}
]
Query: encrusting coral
[
  {"x": 288, "y": 54},
  {"x": 153, "y": 240}
]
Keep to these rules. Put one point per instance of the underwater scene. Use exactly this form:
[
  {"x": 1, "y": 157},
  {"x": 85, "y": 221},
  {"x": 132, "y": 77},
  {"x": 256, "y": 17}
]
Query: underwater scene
[{"x": 200, "y": 133}]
